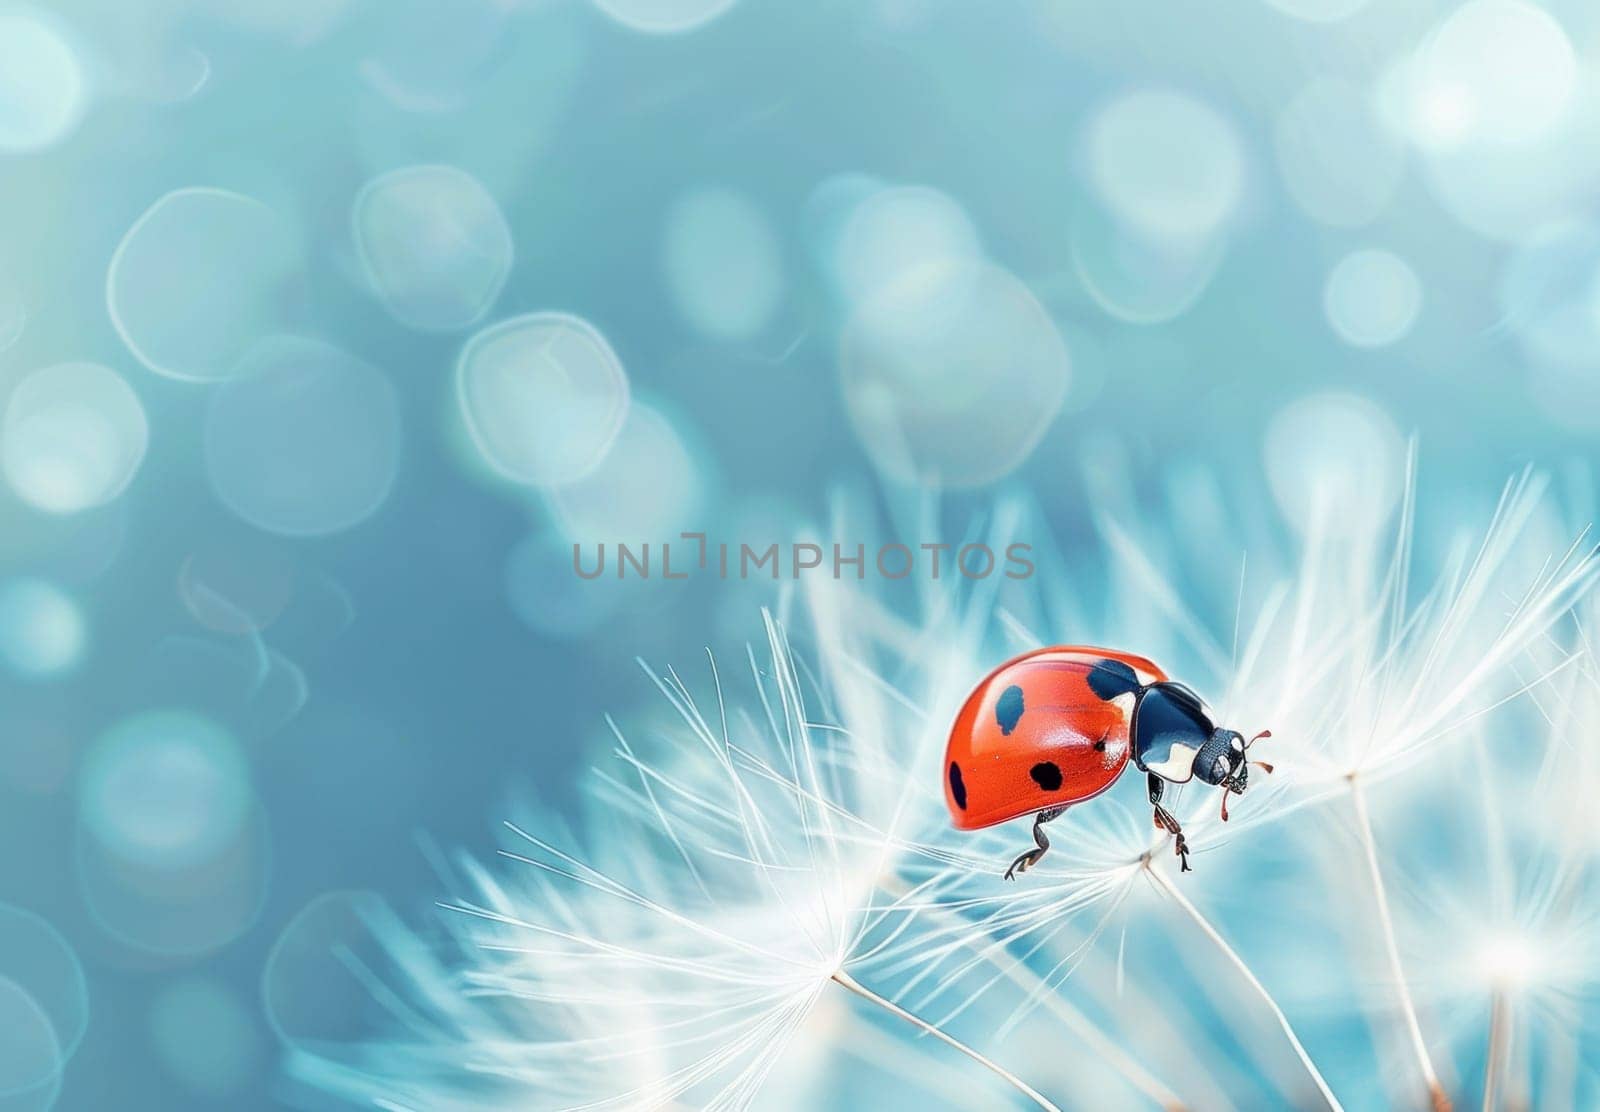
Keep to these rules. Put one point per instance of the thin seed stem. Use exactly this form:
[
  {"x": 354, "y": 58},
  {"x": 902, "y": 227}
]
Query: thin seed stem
[
  {"x": 1084, "y": 1028},
  {"x": 1499, "y": 1048},
  {"x": 1164, "y": 883},
  {"x": 1019, "y": 974},
  {"x": 844, "y": 980},
  {"x": 1436, "y": 1093},
  {"x": 886, "y": 1052}
]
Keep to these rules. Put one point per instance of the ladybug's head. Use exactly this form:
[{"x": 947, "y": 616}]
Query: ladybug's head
[{"x": 1222, "y": 761}]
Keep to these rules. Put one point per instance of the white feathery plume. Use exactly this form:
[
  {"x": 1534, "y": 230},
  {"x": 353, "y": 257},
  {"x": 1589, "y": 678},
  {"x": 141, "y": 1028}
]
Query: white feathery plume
[
  {"x": 1357, "y": 683},
  {"x": 794, "y": 842},
  {"x": 1507, "y": 941},
  {"x": 1363, "y": 690},
  {"x": 734, "y": 881},
  {"x": 779, "y": 834}
]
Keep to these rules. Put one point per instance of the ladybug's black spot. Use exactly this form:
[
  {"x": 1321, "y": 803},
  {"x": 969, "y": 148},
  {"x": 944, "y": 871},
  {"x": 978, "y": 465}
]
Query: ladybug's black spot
[
  {"x": 1100, "y": 746},
  {"x": 958, "y": 787},
  {"x": 1008, "y": 709},
  {"x": 1046, "y": 775},
  {"x": 1110, "y": 678}
]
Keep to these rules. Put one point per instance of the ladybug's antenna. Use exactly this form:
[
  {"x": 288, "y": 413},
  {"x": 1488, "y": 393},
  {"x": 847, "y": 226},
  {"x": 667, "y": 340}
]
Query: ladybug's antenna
[{"x": 1262, "y": 765}]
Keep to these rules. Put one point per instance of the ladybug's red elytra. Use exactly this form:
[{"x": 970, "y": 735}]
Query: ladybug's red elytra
[{"x": 1057, "y": 726}]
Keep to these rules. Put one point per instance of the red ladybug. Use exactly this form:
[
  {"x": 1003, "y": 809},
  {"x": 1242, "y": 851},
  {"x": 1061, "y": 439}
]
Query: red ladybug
[{"x": 1057, "y": 726}]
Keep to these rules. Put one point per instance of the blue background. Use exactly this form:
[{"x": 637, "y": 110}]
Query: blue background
[{"x": 423, "y": 661}]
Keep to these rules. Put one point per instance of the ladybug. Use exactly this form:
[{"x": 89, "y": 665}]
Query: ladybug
[{"x": 1058, "y": 726}]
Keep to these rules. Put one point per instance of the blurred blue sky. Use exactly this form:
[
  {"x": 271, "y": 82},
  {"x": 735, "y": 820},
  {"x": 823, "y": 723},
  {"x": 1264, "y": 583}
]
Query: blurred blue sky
[{"x": 284, "y": 531}]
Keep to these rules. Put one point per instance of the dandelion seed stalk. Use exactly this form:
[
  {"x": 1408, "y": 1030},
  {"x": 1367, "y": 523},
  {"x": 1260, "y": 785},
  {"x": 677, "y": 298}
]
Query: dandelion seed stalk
[
  {"x": 844, "y": 980},
  {"x": 1380, "y": 892},
  {"x": 1085, "y": 1029},
  {"x": 1082, "y": 1027},
  {"x": 1499, "y": 1049},
  {"x": 1163, "y": 882}
]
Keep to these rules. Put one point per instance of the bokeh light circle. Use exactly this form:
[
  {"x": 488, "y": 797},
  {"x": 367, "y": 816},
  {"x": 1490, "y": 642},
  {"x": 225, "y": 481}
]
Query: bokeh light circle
[
  {"x": 723, "y": 263},
  {"x": 827, "y": 211},
  {"x": 1136, "y": 279},
  {"x": 1165, "y": 164},
  {"x": 1339, "y": 158},
  {"x": 894, "y": 231},
  {"x": 43, "y": 88},
  {"x": 42, "y": 629},
  {"x": 663, "y": 17},
  {"x": 1372, "y": 298},
  {"x": 1335, "y": 463},
  {"x": 1505, "y": 176},
  {"x": 165, "y": 788},
  {"x": 649, "y": 487},
  {"x": 31, "y": 1058},
  {"x": 952, "y": 374},
  {"x": 432, "y": 61},
  {"x": 543, "y": 396},
  {"x": 435, "y": 246},
  {"x": 306, "y": 441},
  {"x": 34, "y": 956},
  {"x": 73, "y": 437},
  {"x": 1497, "y": 72},
  {"x": 176, "y": 909},
  {"x": 204, "y": 1036},
  {"x": 199, "y": 278}
]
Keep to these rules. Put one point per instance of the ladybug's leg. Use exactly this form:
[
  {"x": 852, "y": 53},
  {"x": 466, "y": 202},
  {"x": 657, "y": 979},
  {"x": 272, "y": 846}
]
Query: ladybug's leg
[
  {"x": 1031, "y": 858},
  {"x": 1166, "y": 822}
]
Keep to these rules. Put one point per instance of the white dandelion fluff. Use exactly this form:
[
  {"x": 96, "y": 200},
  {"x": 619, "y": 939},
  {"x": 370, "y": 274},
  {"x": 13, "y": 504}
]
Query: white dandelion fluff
[
  {"x": 1506, "y": 941},
  {"x": 736, "y": 886},
  {"x": 782, "y": 848},
  {"x": 1357, "y": 682}
]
